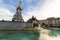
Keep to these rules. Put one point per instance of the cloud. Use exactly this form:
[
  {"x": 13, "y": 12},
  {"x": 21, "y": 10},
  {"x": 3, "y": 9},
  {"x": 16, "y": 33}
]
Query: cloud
[
  {"x": 28, "y": 1},
  {"x": 1, "y": 1},
  {"x": 6, "y": 10},
  {"x": 42, "y": 9},
  {"x": 49, "y": 8},
  {"x": 5, "y": 14}
]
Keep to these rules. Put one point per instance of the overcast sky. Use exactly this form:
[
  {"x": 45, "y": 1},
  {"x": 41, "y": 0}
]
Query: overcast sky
[{"x": 41, "y": 9}]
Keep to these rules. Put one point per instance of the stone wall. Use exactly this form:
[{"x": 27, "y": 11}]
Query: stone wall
[{"x": 8, "y": 25}]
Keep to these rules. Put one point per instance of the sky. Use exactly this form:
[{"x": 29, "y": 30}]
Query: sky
[{"x": 41, "y": 9}]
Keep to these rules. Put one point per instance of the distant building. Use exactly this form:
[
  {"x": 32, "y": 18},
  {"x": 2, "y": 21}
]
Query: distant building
[
  {"x": 54, "y": 21},
  {"x": 34, "y": 21},
  {"x": 42, "y": 22},
  {"x": 50, "y": 21}
]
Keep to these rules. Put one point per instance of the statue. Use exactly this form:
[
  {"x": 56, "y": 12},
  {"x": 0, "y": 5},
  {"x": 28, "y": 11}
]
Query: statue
[
  {"x": 20, "y": 4},
  {"x": 18, "y": 15}
]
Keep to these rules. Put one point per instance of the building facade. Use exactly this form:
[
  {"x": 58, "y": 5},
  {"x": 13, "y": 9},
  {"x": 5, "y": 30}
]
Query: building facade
[
  {"x": 34, "y": 21},
  {"x": 54, "y": 22}
]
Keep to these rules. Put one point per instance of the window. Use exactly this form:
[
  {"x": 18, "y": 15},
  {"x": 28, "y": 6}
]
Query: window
[{"x": 35, "y": 25}]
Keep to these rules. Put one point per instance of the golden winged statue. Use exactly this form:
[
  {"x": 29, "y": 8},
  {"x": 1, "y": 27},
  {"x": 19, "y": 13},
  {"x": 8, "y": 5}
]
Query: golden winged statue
[{"x": 20, "y": 4}]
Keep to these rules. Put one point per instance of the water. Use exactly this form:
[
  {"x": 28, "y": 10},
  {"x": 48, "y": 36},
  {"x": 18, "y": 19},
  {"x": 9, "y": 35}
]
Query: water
[
  {"x": 42, "y": 34},
  {"x": 49, "y": 34},
  {"x": 19, "y": 35}
]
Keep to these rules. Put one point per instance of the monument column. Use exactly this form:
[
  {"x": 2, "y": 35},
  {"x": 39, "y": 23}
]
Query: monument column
[{"x": 18, "y": 15}]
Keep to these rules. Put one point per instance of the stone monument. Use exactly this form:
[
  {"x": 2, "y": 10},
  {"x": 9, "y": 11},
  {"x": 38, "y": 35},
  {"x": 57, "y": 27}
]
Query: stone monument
[{"x": 18, "y": 15}]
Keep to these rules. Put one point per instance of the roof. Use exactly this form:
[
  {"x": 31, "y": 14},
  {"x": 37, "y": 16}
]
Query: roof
[{"x": 32, "y": 19}]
